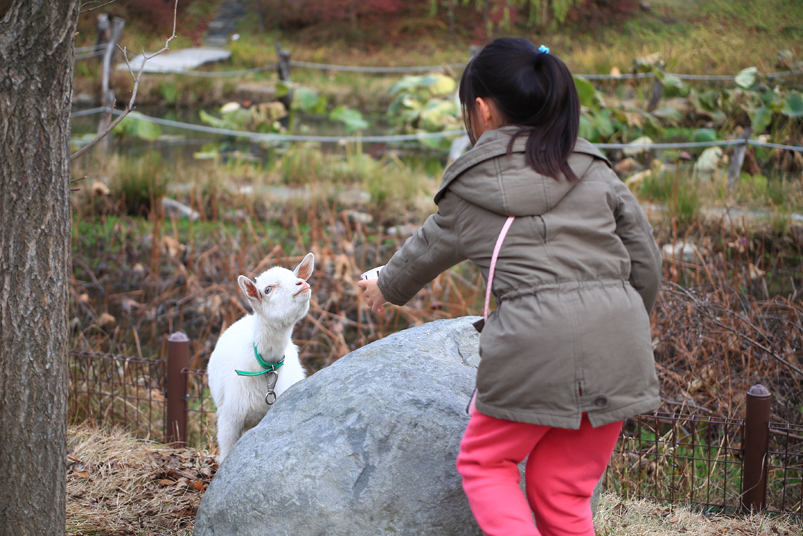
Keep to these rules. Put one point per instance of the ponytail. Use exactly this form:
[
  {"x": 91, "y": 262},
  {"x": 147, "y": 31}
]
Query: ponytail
[{"x": 534, "y": 91}]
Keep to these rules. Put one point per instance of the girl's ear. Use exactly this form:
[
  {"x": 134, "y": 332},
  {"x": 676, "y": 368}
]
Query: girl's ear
[
  {"x": 483, "y": 111},
  {"x": 488, "y": 114},
  {"x": 305, "y": 267},
  {"x": 249, "y": 289}
]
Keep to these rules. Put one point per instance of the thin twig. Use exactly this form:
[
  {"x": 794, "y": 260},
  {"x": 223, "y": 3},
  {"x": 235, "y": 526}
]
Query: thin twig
[
  {"x": 744, "y": 337},
  {"x": 94, "y": 8},
  {"x": 130, "y": 106}
]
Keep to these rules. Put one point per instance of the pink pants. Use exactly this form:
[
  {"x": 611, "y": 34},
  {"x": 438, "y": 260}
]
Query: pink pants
[{"x": 563, "y": 466}]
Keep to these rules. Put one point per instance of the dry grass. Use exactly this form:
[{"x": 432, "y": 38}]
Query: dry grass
[
  {"x": 644, "y": 518},
  {"x": 118, "y": 485}
]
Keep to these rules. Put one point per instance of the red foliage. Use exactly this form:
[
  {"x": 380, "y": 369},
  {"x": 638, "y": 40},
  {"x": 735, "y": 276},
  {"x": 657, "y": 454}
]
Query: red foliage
[
  {"x": 595, "y": 13},
  {"x": 300, "y": 13},
  {"x": 153, "y": 15}
]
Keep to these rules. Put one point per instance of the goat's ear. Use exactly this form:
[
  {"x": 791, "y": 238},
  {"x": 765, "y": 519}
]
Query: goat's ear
[
  {"x": 249, "y": 288},
  {"x": 304, "y": 269}
]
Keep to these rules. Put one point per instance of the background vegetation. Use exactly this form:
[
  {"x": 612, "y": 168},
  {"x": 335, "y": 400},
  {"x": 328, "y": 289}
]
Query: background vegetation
[{"x": 729, "y": 315}]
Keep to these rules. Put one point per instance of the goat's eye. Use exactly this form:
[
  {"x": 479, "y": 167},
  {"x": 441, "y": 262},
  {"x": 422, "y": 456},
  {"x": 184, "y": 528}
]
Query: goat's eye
[{"x": 268, "y": 289}]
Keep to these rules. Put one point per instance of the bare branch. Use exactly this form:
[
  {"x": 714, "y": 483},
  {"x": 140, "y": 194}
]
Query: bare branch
[
  {"x": 73, "y": 181},
  {"x": 130, "y": 106},
  {"x": 94, "y": 8}
]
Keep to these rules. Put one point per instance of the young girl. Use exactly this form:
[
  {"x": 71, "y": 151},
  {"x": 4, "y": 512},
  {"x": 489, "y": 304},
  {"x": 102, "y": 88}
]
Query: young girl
[{"x": 566, "y": 355}]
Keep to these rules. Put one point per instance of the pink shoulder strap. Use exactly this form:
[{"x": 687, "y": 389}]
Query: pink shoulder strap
[{"x": 495, "y": 255}]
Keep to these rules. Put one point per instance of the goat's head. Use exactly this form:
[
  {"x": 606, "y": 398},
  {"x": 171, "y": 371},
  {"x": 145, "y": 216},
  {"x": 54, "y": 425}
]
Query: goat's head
[{"x": 278, "y": 295}]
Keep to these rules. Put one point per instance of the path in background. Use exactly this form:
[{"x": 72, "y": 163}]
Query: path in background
[{"x": 220, "y": 30}]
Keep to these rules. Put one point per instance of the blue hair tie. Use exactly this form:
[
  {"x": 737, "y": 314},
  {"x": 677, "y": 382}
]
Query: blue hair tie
[{"x": 543, "y": 50}]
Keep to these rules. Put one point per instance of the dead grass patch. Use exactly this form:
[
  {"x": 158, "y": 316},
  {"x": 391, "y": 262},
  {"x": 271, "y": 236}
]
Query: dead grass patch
[
  {"x": 644, "y": 518},
  {"x": 118, "y": 485}
]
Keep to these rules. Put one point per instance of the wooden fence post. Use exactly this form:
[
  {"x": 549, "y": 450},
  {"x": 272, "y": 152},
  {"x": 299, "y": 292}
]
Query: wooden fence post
[
  {"x": 104, "y": 32},
  {"x": 737, "y": 160},
  {"x": 756, "y": 448},
  {"x": 657, "y": 94},
  {"x": 283, "y": 70},
  {"x": 178, "y": 360},
  {"x": 107, "y": 95}
]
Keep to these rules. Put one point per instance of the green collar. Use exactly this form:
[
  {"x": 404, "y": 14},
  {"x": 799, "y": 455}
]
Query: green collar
[{"x": 268, "y": 367}]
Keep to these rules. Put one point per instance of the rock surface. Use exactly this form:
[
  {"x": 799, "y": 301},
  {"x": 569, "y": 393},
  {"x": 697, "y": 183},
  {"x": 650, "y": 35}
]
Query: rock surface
[{"x": 366, "y": 446}]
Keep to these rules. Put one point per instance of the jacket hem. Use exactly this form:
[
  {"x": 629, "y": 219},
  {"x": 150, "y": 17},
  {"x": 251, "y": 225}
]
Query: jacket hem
[{"x": 571, "y": 421}]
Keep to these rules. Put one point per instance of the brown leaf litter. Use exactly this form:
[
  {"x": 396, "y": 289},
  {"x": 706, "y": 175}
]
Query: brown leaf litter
[{"x": 118, "y": 485}]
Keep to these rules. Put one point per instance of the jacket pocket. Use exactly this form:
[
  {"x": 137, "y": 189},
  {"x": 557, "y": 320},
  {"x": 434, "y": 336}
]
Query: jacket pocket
[{"x": 539, "y": 227}]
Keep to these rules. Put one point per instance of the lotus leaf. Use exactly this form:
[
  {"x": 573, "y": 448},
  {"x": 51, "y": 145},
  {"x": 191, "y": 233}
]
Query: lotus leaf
[
  {"x": 134, "y": 124},
  {"x": 634, "y": 149},
  {"x": 437, "y": 114},
  {"x": 603, "y": 125},
  {"x": 307, "y": 100},
  {"x": 352, "y": 119},
  {"x": 435, "y": 84},
  {"x": 589, "y": 96},
  {"x": 747, "y": 78},
  {"x": 762, "y": 119},
  {"x": 283, "y": 88},
  {"x": 668, "y": 113},
  {"x": 793, "y": 107},
  {"x": 230, "y": 107},
  {"x": 709, "y": 161},
  {"x": 704, "y": 135}
]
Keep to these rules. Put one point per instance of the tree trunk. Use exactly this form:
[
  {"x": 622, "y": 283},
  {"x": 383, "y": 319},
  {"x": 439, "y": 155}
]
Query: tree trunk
[{"x": 36, "y": 71}]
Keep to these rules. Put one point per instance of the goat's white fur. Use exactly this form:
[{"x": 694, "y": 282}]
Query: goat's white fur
[{"x": 279, "y": 298}]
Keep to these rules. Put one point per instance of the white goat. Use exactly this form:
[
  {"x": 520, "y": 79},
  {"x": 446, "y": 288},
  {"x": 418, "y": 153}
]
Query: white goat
[{"x": 255, "y": 360}]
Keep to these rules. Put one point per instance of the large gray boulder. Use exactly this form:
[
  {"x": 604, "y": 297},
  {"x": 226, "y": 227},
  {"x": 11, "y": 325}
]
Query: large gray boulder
[{"x": 366, "y": 446}]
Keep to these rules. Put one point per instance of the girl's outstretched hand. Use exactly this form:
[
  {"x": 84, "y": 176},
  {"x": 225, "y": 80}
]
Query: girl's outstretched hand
[{"x": 373, "y": 296}]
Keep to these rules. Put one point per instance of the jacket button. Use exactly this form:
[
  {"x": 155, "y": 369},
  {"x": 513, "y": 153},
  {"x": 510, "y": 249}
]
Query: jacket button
[{"x": 601, "y": 401}]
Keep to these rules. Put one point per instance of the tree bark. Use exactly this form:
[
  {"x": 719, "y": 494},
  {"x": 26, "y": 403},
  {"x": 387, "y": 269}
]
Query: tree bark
[{"x": 36, "y": 72}]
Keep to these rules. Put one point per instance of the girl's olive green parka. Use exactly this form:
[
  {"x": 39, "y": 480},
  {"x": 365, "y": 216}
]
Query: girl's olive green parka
[{"x": 575, "y": 282}]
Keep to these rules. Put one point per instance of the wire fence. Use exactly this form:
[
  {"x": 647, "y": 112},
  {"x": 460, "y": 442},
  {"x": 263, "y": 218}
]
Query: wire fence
[
  {"x": 395, "y": 138},
  {"x": 89, "y": 52},
  {"x": 674, "y": 458},
  {"x": 116, "y": 390},
  {"x": 111, "y": 390}
]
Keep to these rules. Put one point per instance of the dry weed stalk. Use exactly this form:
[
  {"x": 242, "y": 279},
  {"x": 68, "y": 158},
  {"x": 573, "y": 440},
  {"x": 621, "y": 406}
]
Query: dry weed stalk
[
  {"x": 122, "y": 486},
  {"x": 639, "y": 517},
  {"x": 718, "y": 327}
]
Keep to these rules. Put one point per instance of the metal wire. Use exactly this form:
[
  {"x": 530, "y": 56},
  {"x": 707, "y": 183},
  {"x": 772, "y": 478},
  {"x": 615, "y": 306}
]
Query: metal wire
[
  {"x": 679, "y": 145},
  {"x": 413, "y": 137},
  {"x": 90, "y": 48},
  {"x": 383, "y": 70},
  {"x": 285, "y": 137},
  {"x": 430, "y": 68},
  {"x": 210, "y": 74},
  {"x": 89, "y": 55}
]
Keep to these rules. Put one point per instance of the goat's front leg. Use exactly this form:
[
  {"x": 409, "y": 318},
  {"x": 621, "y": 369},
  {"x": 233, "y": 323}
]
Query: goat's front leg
[{"x": 229, "y": 430}]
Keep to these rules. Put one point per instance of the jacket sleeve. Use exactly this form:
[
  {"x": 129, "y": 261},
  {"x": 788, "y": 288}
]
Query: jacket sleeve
[
  {"x": 432, "y": 249},
  {"x": 635, "y": 232}
]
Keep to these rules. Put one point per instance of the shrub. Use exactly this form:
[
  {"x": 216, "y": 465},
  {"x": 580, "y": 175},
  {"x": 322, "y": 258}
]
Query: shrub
[{"x": 140, "y": 183}]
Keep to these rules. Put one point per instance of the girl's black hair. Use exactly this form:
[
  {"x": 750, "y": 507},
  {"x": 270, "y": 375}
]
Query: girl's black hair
[{"x": 532, "y": 90}]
